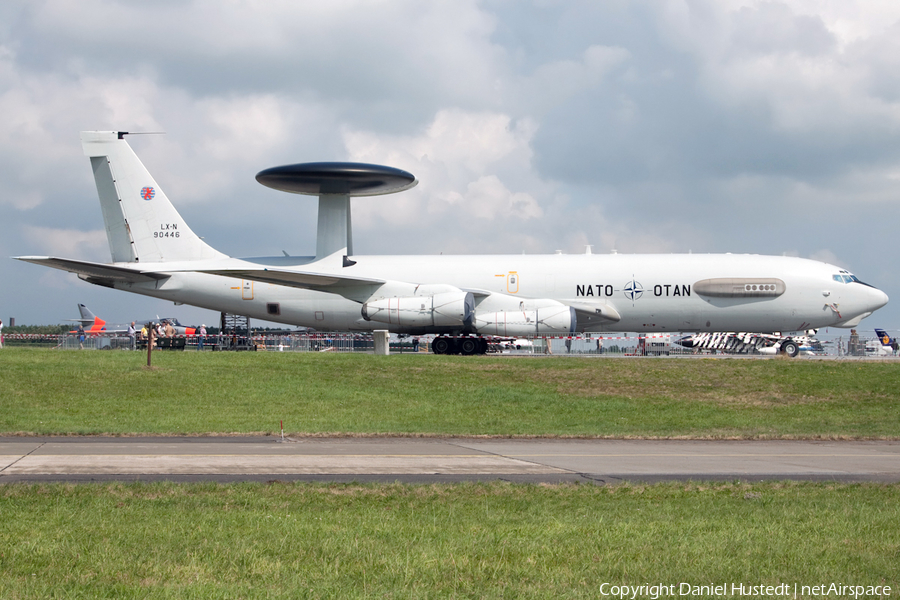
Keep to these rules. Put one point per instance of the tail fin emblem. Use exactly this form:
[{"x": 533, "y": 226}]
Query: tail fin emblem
[{"x": 147, "y": 193}]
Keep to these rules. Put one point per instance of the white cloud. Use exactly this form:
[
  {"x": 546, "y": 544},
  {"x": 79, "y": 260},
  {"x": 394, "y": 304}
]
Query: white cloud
[
  {"x": 24, "y": 200},
  {"x": 68, "y": 242},
  {"x": 795, "y": 61},
  {"x": 850, "y": 20},
  {"x": 456, "y": 160},
  {"x": 487, "y": 198},
  {"x": 246, "y": 126},
  {"x": 827, "y": 256},
  {"x": 473, "y": 142},
  {"x": 554, "y": 82}
]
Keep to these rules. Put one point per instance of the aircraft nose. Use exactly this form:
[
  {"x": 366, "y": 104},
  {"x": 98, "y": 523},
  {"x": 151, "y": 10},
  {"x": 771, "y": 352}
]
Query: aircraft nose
[
  {"x": 874, "y": 298},
  {"x": 879, "y": 300}
]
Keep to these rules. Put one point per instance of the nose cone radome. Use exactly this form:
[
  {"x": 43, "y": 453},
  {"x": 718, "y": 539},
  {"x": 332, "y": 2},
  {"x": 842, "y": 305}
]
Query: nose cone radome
[
  {"x": 866, "y": 298},
  {"x": 879, "y": 298}
]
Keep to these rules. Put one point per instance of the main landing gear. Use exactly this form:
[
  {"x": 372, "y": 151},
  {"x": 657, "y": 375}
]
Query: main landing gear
[{"x": 465, "y": 345}]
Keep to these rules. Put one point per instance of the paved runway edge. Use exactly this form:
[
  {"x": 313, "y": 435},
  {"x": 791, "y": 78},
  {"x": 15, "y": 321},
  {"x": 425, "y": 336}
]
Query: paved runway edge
[{"x": 445, "y": 460}]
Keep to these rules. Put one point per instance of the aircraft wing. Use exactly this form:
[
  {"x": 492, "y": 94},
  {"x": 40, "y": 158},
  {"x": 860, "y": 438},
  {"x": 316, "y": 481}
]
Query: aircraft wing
[
  {"x": 95, "y": 271},
  {"x": 300, "y": 279}
]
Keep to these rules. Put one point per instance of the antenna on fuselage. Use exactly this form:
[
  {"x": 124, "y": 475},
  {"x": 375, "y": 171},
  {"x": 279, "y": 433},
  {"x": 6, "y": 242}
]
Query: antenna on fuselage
[{"x": 121, "y": 134}]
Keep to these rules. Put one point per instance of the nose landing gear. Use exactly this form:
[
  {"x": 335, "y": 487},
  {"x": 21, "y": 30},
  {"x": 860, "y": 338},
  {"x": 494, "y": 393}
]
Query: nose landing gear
[{"x": 790, "y": 348}]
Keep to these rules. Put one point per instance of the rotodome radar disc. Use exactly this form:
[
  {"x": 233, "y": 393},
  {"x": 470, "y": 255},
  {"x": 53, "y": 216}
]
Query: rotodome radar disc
[{"x": 353, "y": 179}]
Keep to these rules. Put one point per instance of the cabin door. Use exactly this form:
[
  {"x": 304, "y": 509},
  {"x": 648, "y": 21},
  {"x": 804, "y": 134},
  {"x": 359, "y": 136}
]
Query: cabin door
[{"x": 512, "y": 282}]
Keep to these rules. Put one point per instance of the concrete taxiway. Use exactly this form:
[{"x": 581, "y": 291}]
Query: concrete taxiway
[{"x": 440, "y": 459}]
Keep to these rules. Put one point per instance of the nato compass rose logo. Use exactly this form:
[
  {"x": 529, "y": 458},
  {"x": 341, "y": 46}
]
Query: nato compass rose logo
[
  {"x": 633, "y": 290},
  {"x": 147, "y": 193}
]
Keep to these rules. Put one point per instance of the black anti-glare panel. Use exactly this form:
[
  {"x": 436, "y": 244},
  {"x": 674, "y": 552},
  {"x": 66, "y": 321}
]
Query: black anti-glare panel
[{"x": 354, "y": 179}]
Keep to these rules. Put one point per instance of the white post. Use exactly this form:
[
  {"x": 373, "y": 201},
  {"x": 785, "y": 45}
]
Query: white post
[{"x": 382, "y": 341}]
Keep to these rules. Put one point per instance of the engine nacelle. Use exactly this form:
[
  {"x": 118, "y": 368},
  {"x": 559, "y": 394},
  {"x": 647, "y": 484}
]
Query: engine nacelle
[
  {"x": 447, "y": 309},
  {"x": 550, "y": 319}
]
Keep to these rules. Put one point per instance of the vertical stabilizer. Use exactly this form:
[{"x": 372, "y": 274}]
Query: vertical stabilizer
[
  {"x": 141, "y": 223},
  {"x": 89, "y": 321},
  {"x": 86, "y": 314}
]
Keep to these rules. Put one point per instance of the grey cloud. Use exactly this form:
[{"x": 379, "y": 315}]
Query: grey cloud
[
  {"x": 669, "y": 117},
  {"x": 379, "y": 61},
  {"x": 878, "y": 61},
  {"x": 773, "y": 28},
  {"x": 651, "y": 126}
]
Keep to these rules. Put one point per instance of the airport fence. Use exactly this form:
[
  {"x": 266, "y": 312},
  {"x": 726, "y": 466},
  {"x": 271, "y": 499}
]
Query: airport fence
[
  {"x": 315, "y": 342},
  {"x": 844, "y": 346},
  {"x": 344, "y": 342},
  {"x": 31, "y": 340},
  {"x": 273, "y": 342}
]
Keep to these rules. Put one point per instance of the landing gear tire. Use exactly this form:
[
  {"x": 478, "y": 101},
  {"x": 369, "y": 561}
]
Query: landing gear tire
[
  {"x": 790, "y": 348},
  {"x": 469, "y": 346},
  {"x": 440, "y": 345}
]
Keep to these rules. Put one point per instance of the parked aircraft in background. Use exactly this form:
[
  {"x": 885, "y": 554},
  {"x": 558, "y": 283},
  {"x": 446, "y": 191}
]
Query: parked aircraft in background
[
  {"x": 94, "y": 324},
  {"x": 91, "y": 323},
  {"x": 461, "y": 298},
  {"x": 796, "y": 344},
  {"x": 754, "y": 343},
  {"x": 509, "y": 344},
  {"x": 882, "y": 345}
]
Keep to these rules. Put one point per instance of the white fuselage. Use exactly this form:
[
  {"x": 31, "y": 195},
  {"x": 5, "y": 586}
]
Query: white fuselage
[{"x": 649, "y": 292}]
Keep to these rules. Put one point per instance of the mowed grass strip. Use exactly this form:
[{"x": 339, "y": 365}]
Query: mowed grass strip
[
  {"x": 450, "y": 541},
  {"x": 97, "y": 392}
]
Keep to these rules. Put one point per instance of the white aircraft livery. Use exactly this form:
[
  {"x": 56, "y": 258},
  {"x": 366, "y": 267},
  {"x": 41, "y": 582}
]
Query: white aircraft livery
[{"x": 461, "y": 298}]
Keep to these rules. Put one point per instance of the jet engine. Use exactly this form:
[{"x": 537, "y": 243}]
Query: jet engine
[
  {"x": 557, "y": 318},
  {"x": 446, "y": 309}
]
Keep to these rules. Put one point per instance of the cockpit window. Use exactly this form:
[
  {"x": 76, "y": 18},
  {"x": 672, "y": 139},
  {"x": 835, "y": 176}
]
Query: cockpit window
[{"x": 845, "y": 278}]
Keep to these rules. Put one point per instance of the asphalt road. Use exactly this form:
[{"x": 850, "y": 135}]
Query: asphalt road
[{"x": 85, "y": 459}]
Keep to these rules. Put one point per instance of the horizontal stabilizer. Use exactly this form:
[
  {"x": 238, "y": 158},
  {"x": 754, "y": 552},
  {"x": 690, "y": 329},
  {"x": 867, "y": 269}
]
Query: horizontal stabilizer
[{"x": 95, "y": 270}]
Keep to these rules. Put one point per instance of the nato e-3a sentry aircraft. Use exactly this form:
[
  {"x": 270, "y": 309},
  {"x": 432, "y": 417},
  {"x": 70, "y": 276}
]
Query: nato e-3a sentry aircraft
[{"x": 461, "y": 298}]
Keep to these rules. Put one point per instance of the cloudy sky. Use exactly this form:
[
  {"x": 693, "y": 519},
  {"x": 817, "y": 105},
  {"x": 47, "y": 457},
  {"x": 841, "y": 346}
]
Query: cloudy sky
[{"x": 644, "y": 126}]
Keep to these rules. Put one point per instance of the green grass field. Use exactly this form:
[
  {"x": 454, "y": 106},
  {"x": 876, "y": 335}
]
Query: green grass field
[
  {"x": 458, "y": 541},
  {"x": 497, "y": 540},
  {"x": 53, "y": 392}
]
